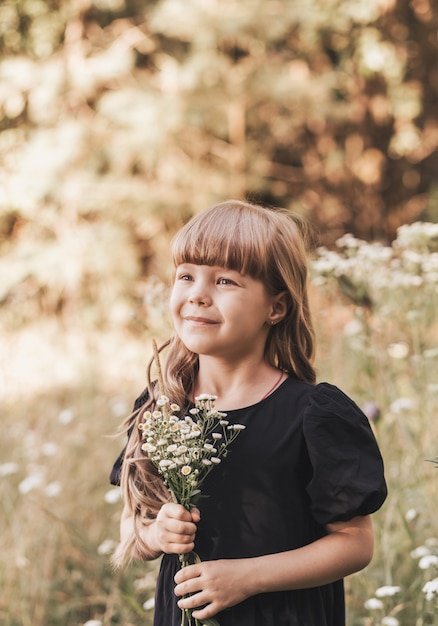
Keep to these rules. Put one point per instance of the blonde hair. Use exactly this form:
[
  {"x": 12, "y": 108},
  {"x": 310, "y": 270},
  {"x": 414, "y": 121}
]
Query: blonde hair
[{"x": 269, "y": 245}]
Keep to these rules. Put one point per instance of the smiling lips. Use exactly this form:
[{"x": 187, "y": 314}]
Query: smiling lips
[{"x": 199, "y": 320}]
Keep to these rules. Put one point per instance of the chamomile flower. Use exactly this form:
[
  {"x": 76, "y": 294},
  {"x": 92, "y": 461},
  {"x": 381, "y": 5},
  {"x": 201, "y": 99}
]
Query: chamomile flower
[
  {"x": 427, "y": 561},
  {"x": 387, "y": 590},
  {"x": 431, "y": 589},
  {"x": 373, "y": 604},
  {"x": 165, "y": 463},
  {"x": 183, "y": 448}
]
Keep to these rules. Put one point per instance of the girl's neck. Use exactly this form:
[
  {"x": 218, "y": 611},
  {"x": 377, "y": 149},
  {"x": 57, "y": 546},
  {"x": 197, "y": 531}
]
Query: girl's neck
[{"x": 237, "y": 386}]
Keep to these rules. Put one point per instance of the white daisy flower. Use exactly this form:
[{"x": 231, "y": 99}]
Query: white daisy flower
[
  {"x": 431, "y": 589},
  {"x": 419, "y": 552},
  {"x": 373, "y": 604},
  {"x": 427, "y": 561},
  {"x": 387, "y": 590},
  {"x": 165, "y": 463}
]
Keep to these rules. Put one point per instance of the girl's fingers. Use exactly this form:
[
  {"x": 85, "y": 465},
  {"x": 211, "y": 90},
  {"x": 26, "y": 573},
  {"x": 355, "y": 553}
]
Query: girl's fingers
[
  {"x": 175, "y": 511},
  {"x": 176, "y": 528},
  {"x": 187, "y": 580},
  {"x": 196, "y": 515}
]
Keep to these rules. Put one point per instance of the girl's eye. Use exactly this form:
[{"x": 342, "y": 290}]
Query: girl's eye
[
  {"x": 184, "y": 277},
  {"x": 226, "y": 281}
]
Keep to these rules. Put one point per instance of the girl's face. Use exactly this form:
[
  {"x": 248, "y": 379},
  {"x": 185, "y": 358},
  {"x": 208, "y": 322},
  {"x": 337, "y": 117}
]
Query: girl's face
[{"x": 220, "y": 312}]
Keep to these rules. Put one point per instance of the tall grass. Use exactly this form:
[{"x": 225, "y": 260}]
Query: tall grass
[
  {"x": 64, "y": 394},
  {"x": 59, "y": 514}
]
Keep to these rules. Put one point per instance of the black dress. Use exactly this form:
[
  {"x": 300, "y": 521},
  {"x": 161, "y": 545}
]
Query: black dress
[{"x": 307, "y": 458}]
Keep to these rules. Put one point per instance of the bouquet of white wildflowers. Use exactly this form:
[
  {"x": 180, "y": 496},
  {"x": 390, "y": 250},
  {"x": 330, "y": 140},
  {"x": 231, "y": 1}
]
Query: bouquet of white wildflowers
[{"x": 185, "y": 450}]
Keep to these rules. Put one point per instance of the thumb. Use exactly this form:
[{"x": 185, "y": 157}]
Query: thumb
[{"x": 196, "y": 514}]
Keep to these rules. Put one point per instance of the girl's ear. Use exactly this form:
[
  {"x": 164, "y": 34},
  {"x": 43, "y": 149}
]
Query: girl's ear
[{"x": 279, "y": 307}]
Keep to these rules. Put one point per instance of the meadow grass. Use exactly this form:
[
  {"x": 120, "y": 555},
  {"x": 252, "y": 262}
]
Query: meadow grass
[
  {"x": 65, "y": 391},
  {"x": 59, "y": 514}
]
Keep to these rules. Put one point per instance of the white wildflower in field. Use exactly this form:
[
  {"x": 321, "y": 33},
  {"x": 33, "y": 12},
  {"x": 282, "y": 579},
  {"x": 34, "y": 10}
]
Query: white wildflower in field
[
  {"x": 370, "y": 273},
  {"x": 9, "y": 468},
  {"x": 113, "y": 495},
  {"x": 66, "y": 416},
  {"x": 107, "y": 547},
  {"x": 390, "y": 621},
  {"x": 431, "y": 354},
  {"x": 93, "y": 622},
  {"x": 373, "y": 604},
  {"x": 31, "y": 482},
  {"x": 419, "y": 552},
  {"x": 22, "y": 561},
  {"x": 146, "y": 582},
  {"x": 411, "y": 515},
  {"x": 387, "y": 590},
  {"x": 398, "y": 350},
  {"x": 49, "y": 448},
  {"x": 401, "y": 404},
  {"x": 419, "y": 235},
  {"x": 119, "y": 407},
  {"x": 53, "y": 489},
  {"x": 354, "y": 327},
  {"x": 431, "y": 589},
  {"x": 149, "y": 604},
  {"x": 427, "y": 561}
]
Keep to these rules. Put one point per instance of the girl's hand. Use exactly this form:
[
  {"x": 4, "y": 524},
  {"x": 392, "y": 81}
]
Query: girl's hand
[
  {"x": 215, "y": 585},
  {"x": 175, "y": 528}
]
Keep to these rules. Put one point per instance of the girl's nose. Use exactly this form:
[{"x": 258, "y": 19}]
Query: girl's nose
[{"x": 198, "y": 295}]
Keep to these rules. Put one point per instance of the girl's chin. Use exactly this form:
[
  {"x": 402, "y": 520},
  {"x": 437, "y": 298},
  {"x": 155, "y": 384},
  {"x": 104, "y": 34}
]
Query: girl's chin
[{"x": 205, "y": 348}]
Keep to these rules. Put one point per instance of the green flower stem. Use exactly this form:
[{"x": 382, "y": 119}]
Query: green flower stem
[{"x": 187, "y": 618}]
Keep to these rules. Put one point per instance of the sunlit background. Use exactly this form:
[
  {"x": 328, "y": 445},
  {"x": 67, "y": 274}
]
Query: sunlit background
[{"x": 119, "y": 119}]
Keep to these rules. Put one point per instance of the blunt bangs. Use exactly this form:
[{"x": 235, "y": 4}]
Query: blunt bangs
[{"x": 232, "y": 235}]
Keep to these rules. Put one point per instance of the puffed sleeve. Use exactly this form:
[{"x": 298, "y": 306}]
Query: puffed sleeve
[
  {"x": 348, "y": 477},
  {"x": 117, "y": 467}
]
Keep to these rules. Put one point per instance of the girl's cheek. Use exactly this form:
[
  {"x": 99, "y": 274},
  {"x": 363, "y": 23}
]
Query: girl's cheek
[{"x": 172, "y": 302}]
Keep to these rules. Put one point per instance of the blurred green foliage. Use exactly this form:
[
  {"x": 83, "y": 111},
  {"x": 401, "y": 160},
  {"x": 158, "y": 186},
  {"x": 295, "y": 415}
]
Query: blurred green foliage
[{"x": 120, "y": 118}]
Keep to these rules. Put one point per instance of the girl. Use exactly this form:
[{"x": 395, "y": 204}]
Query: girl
[{"x": 288, "y": 511}]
